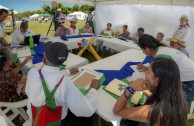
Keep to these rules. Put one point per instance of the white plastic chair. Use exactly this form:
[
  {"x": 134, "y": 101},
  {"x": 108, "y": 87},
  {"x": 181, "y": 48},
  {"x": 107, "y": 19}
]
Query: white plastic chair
[
  {"x": 16, "y": 108},
  {"x": 28, "y": 123},
  {"x": 191, "y": 114}
]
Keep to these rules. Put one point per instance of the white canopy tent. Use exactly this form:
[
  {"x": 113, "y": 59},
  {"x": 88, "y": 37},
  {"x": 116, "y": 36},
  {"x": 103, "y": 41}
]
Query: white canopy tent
[
  {"x": 78, "y": 15},
  {"x": 34, "y": 16},
  {"x": 121, "y": 2},
  {"x": 2, "y": 7},
  {"x": 153, "y": 15}
]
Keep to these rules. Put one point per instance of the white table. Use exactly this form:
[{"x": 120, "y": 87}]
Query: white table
[
  {"x": 71, "y": 43},
  {"x": 116, "y": 44},
  {"x": 71, "y": 62},
  {"x": 105, "y": 101}
]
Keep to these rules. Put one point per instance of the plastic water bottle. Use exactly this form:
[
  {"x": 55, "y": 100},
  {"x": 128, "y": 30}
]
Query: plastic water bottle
[
  {"x": 80, "y": 31},
  {"x": 31, "y": 41}
]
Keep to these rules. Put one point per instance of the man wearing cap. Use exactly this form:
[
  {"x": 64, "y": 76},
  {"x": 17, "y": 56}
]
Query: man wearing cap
[
  {"x": 183, "y": 31},
  {"x": 177, "y": 43},
  {"x": 3, "y": 16},
  {"x": 59, "y": 19},
  {"x": 20, "y": 33},
  {"x": 67, "y": 95}
]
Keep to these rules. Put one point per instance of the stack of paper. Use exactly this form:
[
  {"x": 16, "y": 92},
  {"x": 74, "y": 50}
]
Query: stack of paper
[{"x": 23, "y": 52}]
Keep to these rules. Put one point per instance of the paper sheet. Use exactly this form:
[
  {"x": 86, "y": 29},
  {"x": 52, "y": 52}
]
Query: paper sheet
[
  {"x": 136, "y": 97},
  {"x": 116, "y": 87},
  {"x": 84, "y": 80},
  {"x": 23, "y": 52}
]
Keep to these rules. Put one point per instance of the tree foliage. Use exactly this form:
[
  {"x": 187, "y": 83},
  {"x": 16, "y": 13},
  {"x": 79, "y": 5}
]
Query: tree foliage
[{"x": 47, "y": 9}]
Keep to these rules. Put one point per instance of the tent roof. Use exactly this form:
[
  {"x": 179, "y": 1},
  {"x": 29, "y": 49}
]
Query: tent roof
[
  {"x": 2, "y": 7},
  {"x": 144, "y": 2},
  {"x": 77, "y": 13}
]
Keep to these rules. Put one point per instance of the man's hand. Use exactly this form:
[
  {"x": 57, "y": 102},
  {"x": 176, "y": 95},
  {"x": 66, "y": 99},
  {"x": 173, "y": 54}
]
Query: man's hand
[
  {"x": 73, "y": 71},
  {"x": 95, "y": 84}
]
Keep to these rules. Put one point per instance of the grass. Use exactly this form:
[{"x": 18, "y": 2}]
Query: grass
[{"x": 42, "y": 28}]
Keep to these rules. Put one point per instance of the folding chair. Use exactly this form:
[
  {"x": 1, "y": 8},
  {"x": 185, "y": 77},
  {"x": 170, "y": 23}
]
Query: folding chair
[{"x": 16, "y": 108}]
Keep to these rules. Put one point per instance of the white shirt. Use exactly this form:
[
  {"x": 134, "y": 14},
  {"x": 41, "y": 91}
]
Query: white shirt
[
  {"x": 67, "y": 95},
  {"x": 2, "y": 31},
  {"x": 19, "y": 36},
  {"x": 183, "y": 32},
  {"x": 73, "y": 32},
  {"x": 135, "y": 36},
  {"x": 109, "y": 32},
  {"x": 186, "y": 65}
]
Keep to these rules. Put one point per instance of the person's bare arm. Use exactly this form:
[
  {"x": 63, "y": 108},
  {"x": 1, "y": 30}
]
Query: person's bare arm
[
  {"x": 133, "y": 113},
  {"x": 19, "y": 67},
  {"x": 3, "y": 41}
]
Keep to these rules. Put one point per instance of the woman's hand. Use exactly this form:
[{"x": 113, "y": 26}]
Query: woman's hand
[{"x": 140, "y": 85}]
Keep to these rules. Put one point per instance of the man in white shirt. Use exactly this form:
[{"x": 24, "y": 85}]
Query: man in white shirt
[
  {"x": 136, "y": 35},
  {"x": 67, "y": 95},
  {"x": 20, "y": 33},
  {"x": 3, "y": 16}
]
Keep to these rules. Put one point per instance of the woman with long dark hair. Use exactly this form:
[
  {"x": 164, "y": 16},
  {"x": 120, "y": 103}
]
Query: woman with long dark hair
[
  {"x": 166, "y": 106},
  {"x": 152, "y": 47}
]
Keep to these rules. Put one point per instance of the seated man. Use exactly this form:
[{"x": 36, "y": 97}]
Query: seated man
[
  {"x": 20, "y": 33},
  {"x": 41, "y": 82},
  {"x": 62, "y": 31},
  {"x": 73, "y": 28},
  {"x": 125, "y": 33},
  {"x": 136, "y": 35},
  {"x": 108, "y": 30},
  {"x": 87, "y": 28}
]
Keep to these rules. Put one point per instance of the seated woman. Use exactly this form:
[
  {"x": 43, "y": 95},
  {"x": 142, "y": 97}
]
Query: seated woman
[
  {"x": 20, "y": 33},
  {"x": 177, "y": 43},
  {"x": 11, "y": 82},
  {"x": 73, "y": 28},
  {"x": 87, "y": 28},
  {"x": 166, "y": 106},
  {"x": 62, "y": 31},
  {"x": 108, "y": 31},
  {"x": 125, "y": 33}
]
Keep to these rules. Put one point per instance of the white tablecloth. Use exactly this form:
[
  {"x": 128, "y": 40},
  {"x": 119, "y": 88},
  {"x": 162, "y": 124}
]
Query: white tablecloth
[
  {"x": 116, "y": 44},
  {"x": 71, "y": 43},
  {"x": 71, "y": 62},
  {"x": 105, "y": 101}
]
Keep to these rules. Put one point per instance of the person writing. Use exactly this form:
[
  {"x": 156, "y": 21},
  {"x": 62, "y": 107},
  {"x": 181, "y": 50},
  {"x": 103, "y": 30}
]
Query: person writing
[
  {"x": 11, "y": 82},
  {"x": 65, "y": 94},
  {"x": 19, "y": 34},
  {"x": 166, "y": 106},
  {"x": 152, "y": 47}
]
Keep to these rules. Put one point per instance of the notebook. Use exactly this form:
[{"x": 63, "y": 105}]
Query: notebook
[{"x": 85, "y": 77}]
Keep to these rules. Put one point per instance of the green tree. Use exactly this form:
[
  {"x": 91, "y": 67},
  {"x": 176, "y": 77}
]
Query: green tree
[
  {"x": 76, "y": 8},
  {"x": 46, "y": 9}
]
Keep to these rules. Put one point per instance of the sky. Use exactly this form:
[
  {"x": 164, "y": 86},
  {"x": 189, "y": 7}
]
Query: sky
[{"x": 26, "y": 5}]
